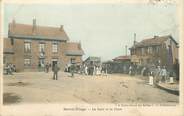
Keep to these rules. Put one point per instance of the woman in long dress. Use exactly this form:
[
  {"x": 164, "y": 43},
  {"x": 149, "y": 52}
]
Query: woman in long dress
[{"x": 86, "y": 70}]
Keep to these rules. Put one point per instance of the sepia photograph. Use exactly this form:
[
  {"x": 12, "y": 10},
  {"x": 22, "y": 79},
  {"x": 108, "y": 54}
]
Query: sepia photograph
[{"x": 90, "y": 53}]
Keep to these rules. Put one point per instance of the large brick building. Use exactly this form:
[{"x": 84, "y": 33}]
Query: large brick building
[
  {"x": 159, "y": 50},
  {"x": 32, "y": 46}
]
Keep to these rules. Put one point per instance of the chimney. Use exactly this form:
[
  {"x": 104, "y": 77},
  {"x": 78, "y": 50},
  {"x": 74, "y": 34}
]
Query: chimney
[
  {"x": 13, "y": 22},
  {"x": 156, "y": 36},
  {"x": 79, "y": 45},
  {"x": 61, "y": 27},
  {"x": 134, "y": 38},
  {"x": 11, "y": 26},
  {"x": 34, "y": 25}
]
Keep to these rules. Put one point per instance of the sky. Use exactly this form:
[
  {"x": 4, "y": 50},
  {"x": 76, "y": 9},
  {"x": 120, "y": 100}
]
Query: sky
[{"x": 103, "y": 29}]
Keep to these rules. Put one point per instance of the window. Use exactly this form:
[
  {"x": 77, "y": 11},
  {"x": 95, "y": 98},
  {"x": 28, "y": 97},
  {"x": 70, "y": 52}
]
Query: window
[
  {"x": 54, "y": 61},
  {"x": 157, "y": 49},
  {"x": 150, "y": 50},
  {"x": 41, "y": 47},
  {"x": 133, "y": 51},
  {"x": 72, "y": 60},
  {"x": 142, "y": 51},
  {"x": 27, "y": 62},
  {"x": 27, "y": 47},
  {"x": 55, "y": 47}
]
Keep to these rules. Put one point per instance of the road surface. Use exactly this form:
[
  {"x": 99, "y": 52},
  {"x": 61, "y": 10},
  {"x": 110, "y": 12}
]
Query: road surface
[{"x": 38, "y": 87}]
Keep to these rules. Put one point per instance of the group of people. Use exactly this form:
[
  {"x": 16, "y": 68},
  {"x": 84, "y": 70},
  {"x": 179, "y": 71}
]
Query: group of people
[
  {"x": 86, "y": 69},
  {"x": 159, "y": 73},
  {"x": 93, "y": 70},
  {"x": 47, "y": 67},
  {"x": 55, "y": 70},
  {"x": 9, "y": 69}
]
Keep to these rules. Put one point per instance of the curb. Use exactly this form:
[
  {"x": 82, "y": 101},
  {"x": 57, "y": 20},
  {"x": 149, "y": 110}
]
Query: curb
[{"x": 175, "y": 92}]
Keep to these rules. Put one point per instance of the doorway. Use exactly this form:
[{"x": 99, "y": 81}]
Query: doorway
[{"x": 54, "y": 61}]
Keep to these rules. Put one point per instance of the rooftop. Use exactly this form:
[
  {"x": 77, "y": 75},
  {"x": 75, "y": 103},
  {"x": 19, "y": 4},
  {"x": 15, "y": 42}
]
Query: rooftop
[
  {"x": 156, "y": 40},
  {"x": 74, "y": 48},
  {"x": 34, "y": 31},
  {"x": 122, "y": 58},
  {"x": 93, "y": 58}
]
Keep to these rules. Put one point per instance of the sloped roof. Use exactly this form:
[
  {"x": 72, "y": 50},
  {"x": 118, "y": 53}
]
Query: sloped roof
[
  {"x": 39, "y": 32},
  {"x": 93, "y": 58},
  {"x": 122, "y": 58},
  {"x": 74, "y": 48},
  {"x": 157, "y": 40}
]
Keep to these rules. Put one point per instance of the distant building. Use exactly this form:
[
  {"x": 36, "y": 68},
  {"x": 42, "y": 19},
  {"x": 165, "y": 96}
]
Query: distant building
[
  {"x": 159, "y": 50},
  {"x": 122, "y": 59},
  {"x": 33, "y": 46},
  {"x": 93, "y": 61},
  {"x": 118, "y": 64},
  {"x": 74, "y": 52}
]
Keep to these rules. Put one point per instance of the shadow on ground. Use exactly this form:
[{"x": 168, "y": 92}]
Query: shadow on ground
[
  {"x": 10, "y": 98},
  {"x": 18, "y": 84}
]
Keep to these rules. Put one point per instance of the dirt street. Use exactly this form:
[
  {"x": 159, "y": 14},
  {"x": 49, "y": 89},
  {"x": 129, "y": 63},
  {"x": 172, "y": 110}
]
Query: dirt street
[{"x": 38, "y": 87}]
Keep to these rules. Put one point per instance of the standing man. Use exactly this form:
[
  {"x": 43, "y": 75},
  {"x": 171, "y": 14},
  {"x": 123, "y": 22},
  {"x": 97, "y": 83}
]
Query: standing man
[
  {"x": 163, "y": 74},
  {"x": 10, "y": 69},
  {"x": 7, "y": 68},
  {"x": 157, "y": 74},
  {"x": 130, "y": 70},
  {"x": 143, "y": 71},
  {"x": 86, "y": 70},
  {"x": 72, "y": 69},
  {"x": 94, "y": 70},
  {"x": 47, "y": 67},
  {"x": 55, "y": 70}
]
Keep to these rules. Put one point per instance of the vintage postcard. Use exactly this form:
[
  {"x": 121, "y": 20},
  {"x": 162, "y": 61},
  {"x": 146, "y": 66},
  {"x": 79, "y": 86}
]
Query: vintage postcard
[{"x": 107, "y": 58}]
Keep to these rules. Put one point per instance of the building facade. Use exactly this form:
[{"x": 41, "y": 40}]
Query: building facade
[
  {"x": 7, "y": 51},
  {"x": 159, "y": 50},
  {"x": 125, "y": 59},
  {"x": 31, "y": 47},
  {"x": 74, "y": 52}
]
